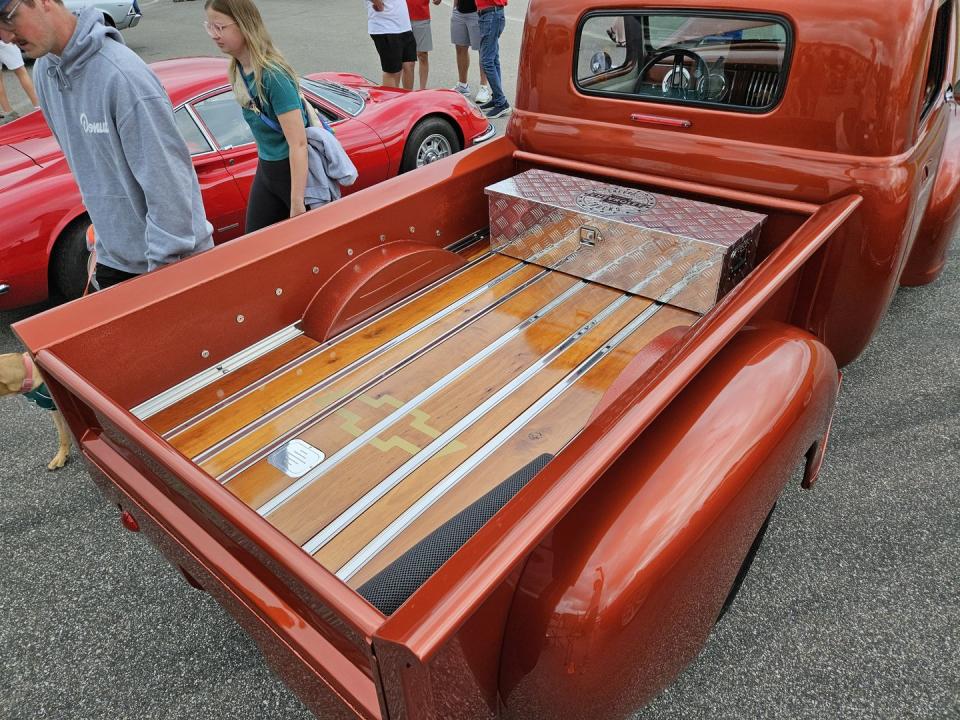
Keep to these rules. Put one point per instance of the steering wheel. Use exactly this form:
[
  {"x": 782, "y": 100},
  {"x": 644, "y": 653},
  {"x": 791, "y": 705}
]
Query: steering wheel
[{"x": 701, "y": 71}]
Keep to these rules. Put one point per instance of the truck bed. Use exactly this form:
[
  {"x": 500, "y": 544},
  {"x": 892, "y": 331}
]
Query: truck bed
[{"x": 418, "y": 412}]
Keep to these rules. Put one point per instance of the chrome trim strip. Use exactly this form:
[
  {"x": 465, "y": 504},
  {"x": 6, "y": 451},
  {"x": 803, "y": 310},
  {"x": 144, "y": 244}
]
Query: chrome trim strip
[
  {"x": 310, "y": 354},
  {"x": 397, "y": 476},
  {"x": 4, "y": 288},
  {"x": 388, "y": 534},
  {"x": 363, "y": 99},
  {"x": 465, "y": 242},
  {"x": 202, "y": 379},
  {"x": 490, "y": 132},
  {"x": 244, "y": 464},
  {"x": 208, "y": 136},
  {"x": 335, "y": 459},
  {"x": 330, "y": 379}
]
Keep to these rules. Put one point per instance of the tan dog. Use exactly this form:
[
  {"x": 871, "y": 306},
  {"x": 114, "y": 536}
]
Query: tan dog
[{"x": 19, "y": 376}]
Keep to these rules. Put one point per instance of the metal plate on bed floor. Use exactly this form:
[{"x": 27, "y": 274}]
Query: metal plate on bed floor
[{"x": 296, "y": 458}]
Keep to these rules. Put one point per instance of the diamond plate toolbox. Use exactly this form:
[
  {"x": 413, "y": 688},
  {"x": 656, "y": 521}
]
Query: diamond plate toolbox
[{"x": 682, "y": 252}]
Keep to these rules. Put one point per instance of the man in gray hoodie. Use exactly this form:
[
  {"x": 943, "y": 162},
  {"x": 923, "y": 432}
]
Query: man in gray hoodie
[{"x": 115, "y": 125}]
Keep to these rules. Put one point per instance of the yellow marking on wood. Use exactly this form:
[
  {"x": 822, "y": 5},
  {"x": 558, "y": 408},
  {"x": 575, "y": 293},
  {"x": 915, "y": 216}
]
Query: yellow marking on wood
[{"x": 420, "y": 422}]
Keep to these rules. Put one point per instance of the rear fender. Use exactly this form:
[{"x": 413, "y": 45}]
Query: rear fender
[
  {"x": 622, "y": 594},
  {"x": 942, "y": 219}
]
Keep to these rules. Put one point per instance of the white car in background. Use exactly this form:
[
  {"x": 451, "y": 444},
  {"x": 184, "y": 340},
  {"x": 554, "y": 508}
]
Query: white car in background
[{"x": 120, "y": 15}]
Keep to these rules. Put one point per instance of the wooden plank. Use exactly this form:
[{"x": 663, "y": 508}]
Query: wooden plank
[
  {"x": 206, "y": 397},
  {"x": 266, "y": 432},
  {"x": 310, "y": 511},
  {"x": 211, "y": 430},
  {"x": 549, "y": 432},
  {"x": 476, "y": 250},
  {"x": 261, "y": 482}
]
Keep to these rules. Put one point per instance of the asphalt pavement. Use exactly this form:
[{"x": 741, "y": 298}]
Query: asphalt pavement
[{"x": 850, "y": 610}]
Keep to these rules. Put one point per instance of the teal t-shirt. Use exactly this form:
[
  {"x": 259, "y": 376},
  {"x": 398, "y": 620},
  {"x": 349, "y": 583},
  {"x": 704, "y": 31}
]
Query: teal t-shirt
[{"x": 280, "y": 95}]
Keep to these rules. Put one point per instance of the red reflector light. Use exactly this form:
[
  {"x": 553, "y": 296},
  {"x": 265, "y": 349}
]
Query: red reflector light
[{"x": 129, "y": 522}]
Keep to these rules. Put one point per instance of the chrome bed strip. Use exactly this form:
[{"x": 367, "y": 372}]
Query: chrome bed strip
[
  {"x": 359, "y": 362},
  {"x": 168, "y": 397},
  {"x": 388, "y": 534},
  {"x": 335, "y": 459},
  {"x": 312, "y": 353},
  {"x": 394, "y": 529},
  {"x": 244, "y": 464},
  {"x": 398, "y": 475}
]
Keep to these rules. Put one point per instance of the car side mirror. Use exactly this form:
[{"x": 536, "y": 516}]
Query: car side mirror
[{"x": 600, "y": 62}]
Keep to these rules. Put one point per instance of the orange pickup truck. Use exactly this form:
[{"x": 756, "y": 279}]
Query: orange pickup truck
[{"x": 500, "y": 439}]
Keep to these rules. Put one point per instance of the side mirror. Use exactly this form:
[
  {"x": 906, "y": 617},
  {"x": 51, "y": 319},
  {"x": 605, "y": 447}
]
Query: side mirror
[{"x": 600, "y": 62}]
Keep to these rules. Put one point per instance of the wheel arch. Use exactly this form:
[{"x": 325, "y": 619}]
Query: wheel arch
[
  {"x": 66, "y": 223},
  {"x": 449, "y": 119},
  {"x": 622, "y": 594},
  {"x": 63, "y": 224}
]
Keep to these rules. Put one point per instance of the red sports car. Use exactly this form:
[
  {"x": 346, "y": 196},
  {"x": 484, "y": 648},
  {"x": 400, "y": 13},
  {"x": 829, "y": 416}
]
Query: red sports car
[{"x": 42, "y": 219}]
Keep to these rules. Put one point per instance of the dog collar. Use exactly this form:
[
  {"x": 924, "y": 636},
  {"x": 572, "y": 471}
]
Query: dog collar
[
  {"x": 41, "y": 396},
  {"x": 27, "y": 374}
]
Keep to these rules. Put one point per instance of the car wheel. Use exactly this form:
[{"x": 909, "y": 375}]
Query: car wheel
[
  {"x": 429, "y": 141},
  {"x": 745, "y": 567},
  {"x": 69, "y": 260}
]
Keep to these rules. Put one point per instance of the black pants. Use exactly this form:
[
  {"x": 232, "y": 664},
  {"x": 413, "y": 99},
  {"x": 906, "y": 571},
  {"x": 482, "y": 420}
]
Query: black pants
[
  {"x": 107, "y": 277},
  {"x": 269, "y": 194}
]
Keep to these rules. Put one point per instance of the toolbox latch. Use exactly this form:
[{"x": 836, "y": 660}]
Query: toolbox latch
[{"x": 589, "y": 236}]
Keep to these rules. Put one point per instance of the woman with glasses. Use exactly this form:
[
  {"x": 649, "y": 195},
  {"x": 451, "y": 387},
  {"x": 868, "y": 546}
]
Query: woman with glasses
[{"x": 266, "y": 88}]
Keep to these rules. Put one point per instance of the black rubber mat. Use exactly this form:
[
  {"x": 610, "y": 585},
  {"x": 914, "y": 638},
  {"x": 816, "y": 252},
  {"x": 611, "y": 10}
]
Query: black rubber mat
[{"x": 388, "y": 589}]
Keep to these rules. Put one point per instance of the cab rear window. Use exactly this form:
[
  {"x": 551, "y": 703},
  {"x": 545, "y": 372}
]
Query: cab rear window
[{"x": 735, "y": 62}]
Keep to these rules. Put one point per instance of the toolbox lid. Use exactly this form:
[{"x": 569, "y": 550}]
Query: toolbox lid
[{"x": 692, "y": 219}]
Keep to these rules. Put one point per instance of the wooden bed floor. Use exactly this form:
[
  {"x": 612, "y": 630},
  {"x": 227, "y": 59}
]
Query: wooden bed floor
[{"x": 418, "y": 413}]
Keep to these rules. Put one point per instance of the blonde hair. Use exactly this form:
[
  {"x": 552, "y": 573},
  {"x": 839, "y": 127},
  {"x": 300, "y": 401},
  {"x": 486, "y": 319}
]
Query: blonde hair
[{"x": 263, "y": 54}]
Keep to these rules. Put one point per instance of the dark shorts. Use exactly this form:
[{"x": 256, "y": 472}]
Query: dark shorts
[{"x": 395, "y": 49}]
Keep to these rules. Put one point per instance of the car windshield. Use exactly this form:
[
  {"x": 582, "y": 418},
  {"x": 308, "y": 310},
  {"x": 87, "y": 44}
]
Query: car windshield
[{"x": 350, "y": 101}]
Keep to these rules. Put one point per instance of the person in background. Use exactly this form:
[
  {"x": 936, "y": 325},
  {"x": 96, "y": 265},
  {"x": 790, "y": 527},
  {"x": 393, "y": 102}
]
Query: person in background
[
  {"x": 267, "y": 89},
  {"x": 419, "y": 11},
  {"x": 492, "y": 23},
  {"x": 12, "y": 59},
  {"x": 465, "y": 36},
  {"x": 115, "y": 125},
  {"x": 388, "y": 23},
  {"x": 617, "y": 32}
]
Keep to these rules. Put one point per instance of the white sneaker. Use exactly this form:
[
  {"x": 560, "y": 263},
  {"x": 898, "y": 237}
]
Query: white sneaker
[
  {"x": 462, "y": 88},
  {"x": 484, "y": 94}
]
